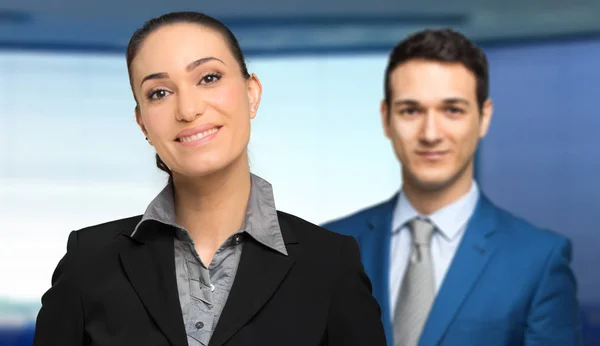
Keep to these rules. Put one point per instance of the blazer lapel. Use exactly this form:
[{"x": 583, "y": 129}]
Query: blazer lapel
[
  {"x": 260, "y": 272},
  {"x": 150, "y": 266},
  {"x": 469, "y": 261},
  {"x": 375, "y": 245}
]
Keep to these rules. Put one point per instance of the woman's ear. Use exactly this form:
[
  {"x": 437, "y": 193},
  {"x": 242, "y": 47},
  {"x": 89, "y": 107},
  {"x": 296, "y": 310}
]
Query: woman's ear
[
  {"x": 140, "y": 122},
  {"x": 254, "y": 94}
]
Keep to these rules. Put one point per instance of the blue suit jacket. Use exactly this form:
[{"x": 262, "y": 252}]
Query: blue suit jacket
[{"x": 509, "y": 283}]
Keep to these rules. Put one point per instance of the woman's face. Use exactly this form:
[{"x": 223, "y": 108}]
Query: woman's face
[{"x": 194, "y": 105}]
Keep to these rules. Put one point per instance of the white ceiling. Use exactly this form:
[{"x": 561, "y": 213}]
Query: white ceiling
[{"x": 298, "y": 25}]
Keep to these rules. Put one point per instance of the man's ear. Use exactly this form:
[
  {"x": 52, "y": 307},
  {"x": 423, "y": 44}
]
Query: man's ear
[
  {"x": 486, "y": 117},
  {"x": 385, "y": 118}
]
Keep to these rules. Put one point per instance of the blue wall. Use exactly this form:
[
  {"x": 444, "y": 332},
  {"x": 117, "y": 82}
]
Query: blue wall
[{"x": 541, "y": 158}]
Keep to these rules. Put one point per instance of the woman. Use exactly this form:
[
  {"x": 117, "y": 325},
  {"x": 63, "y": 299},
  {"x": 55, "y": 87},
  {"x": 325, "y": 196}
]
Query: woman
[{"x": 211, "y": 261}]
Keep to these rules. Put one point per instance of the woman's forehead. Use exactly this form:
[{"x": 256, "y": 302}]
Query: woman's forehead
[{"x": 175, "y": 46}]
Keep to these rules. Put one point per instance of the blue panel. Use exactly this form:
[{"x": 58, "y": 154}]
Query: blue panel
[
  {"x": 266, "y": 34},
  {"x": 541, "y": 158},
  {"x": 304, "y": 35},
  {"x": 17, "y": 336}
]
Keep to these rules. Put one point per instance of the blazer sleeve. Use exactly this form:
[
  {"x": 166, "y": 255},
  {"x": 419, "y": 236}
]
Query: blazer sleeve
[
  {"x": 554, "y": 317},
  {"x": 60, "y": 320},
  {"x": 354, "y": 316}
]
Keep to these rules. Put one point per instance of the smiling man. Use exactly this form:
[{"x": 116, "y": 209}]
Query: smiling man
[{"x": 448, "y": 266}]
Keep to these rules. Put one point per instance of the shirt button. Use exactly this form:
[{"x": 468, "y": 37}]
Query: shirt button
[{"x": 199, "y": 325}]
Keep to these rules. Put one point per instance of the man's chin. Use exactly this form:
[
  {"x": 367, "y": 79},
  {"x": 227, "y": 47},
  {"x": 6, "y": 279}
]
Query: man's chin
[
  {"x": 433, "y": 186},
  {"x": 435, "y": 180},
  {"x": 432, "y": 183}
]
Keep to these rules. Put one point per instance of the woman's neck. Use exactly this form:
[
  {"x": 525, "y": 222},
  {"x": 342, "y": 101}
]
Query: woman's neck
[{"x": 212, "y": 208}]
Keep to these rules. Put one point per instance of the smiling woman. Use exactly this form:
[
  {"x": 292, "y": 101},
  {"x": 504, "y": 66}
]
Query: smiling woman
[
  {"x": 214, "y": 69},
  {"x": 211, "y": 261}
]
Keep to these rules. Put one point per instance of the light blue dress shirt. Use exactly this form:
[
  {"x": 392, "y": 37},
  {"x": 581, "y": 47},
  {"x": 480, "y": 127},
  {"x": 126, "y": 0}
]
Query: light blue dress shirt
[{"x": 450, "y": 222}]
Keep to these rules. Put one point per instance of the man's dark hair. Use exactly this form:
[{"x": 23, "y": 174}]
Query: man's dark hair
[{"x": 443, "y": 45}]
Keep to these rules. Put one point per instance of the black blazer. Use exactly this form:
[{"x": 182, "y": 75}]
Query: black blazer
[{"x": 110, "y": 289}]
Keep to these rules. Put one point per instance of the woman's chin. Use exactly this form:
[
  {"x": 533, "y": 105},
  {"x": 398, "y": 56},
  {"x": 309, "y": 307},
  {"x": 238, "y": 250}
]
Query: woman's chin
[
  {"x": 205, "y": 169},
  {"x": 199, "y": 172},
  {"x": 208, "y": 164}
]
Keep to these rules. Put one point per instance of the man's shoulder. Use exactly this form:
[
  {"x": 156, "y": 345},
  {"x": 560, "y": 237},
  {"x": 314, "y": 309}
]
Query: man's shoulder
[
  {"x": 525, "y": 233},
  {"x": 358, "y": 221}
]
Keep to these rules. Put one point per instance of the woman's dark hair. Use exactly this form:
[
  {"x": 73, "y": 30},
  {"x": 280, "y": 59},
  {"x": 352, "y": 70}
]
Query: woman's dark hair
[
  {"x": 140, "y": 35},
  {"x": 442, "y": 45}
]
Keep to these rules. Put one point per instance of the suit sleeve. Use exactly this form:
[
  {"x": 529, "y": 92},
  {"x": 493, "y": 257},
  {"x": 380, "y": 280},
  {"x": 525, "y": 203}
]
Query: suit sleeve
[
  {"x": 60, "y": 320},
  {"x": 354, "y": 316},
  {"x": 554, "y": 318}
]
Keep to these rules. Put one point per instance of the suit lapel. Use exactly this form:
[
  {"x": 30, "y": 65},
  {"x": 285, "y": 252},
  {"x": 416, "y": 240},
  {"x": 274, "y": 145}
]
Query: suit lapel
[
  {"x": 375, "y": 245},
  {"x": 469, "y": 261},
  {"x": 260, "y": 272},
  {"x": 150, "y": 266}
]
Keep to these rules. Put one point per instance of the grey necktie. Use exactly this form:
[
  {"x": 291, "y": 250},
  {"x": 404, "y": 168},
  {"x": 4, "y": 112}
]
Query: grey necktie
[{"x": 418, "y": 290}]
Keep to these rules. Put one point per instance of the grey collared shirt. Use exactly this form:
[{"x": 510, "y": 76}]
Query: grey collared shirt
[{"x": 203, "y": 290}]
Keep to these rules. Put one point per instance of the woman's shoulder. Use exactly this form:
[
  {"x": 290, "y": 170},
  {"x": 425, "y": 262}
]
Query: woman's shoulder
[
  {"x": 92, "y": 249},
  {"x": 306, "y": 231},
  {"x": 100, "y": 234},
  {"x": 317, "y": 246}
]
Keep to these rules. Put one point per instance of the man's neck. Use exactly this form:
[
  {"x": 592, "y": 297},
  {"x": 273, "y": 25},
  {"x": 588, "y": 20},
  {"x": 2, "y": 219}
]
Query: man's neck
[{"x": 427, "y": 202}]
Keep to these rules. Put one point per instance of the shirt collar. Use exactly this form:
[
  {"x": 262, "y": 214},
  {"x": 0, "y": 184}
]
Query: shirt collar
[
  {"x": 261, "y": 221},
  {"x": 448, "y": 220}
]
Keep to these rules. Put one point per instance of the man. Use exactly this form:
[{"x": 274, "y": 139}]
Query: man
[{"x": 448, "y": 266}]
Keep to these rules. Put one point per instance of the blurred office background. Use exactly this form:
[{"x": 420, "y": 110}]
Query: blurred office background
[{"x": 71, "y": 154}]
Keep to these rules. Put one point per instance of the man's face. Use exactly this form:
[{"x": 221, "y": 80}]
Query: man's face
[{"x": 434, "y": 122}]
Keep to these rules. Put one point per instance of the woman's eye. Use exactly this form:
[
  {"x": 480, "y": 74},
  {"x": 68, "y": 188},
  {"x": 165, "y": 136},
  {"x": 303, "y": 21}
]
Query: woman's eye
[
  {"x": 210, "y": 78},
  {"x": 157, "y": 94}
]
